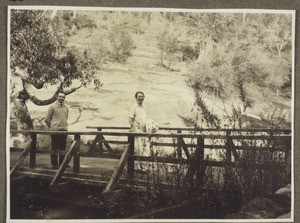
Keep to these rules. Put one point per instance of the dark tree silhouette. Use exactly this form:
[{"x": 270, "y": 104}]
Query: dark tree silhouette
[{"x": 40, "y": 57}]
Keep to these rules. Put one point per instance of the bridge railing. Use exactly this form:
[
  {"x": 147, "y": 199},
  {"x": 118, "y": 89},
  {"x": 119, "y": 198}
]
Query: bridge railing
[{"x": 190, "y": 145}]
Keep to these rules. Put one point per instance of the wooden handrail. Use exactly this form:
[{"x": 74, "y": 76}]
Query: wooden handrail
[
  {"x": 197, "y": 129},
  {"x": 117, "y": 156},
  {"x": 163, "y": 135}
]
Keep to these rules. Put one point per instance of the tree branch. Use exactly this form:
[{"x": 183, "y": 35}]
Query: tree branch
[
  {"x": 70, "y": 91},
  {"x": 40, "y": 102},
  {"x": 37, "y": 101}
]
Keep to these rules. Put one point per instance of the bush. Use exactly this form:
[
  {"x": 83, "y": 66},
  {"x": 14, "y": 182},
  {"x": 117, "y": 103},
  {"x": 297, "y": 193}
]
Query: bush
[
  {"x": 122, "y": 44},
  {"x": 259, "y": 182},
  {"x": 84, "y": 22},
  {"x": 168, "y": 45},
  {"x": 189, "y": 53}
]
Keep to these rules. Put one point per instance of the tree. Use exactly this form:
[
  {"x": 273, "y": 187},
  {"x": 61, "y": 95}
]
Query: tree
[
  {"x": 240, "y": 54},
  {"x": 122, "y": 44},
  {"x": 39, "y": 57}
]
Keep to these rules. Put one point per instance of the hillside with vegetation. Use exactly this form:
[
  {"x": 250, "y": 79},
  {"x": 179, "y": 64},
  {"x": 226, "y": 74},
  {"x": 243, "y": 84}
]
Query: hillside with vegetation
[{"x": 197, "y": 69}]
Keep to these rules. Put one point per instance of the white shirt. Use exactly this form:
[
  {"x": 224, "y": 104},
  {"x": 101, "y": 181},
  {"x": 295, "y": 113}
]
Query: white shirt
[{"x": 139, "y": 116}]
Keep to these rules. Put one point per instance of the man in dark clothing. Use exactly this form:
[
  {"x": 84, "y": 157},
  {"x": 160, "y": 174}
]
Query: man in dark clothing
[{"x": 56, "y": 119}]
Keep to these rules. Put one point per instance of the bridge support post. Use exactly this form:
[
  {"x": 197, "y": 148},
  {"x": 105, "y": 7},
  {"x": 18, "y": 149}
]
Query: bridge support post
[
  {"x": 288, "y": 148},
  {"x": 100, "y": 143},
  {"x": 130, "y": 162},
  {"x": 76, "y": 159},
  {"x": 32, "y": 160},
  {"x": 228, "y": 146},
  {"x": 179, "y": 145},
  {"x": 200, "y": 174},
  {"x": 287, "y": 155}
]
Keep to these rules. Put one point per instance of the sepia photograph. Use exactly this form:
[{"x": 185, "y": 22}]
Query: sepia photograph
[{"x": 134, "y": 114}]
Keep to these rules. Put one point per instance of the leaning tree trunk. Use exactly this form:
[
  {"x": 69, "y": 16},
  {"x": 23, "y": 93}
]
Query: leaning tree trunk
[{"x": 21, "y": 113}]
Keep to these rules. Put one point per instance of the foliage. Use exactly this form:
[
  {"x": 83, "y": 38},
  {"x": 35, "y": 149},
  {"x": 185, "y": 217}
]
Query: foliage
[
  {"x": 210, "y": 118},
  {"x": 275, "y": 120},
  {"x": 72, "y": 21},
  {"x": 189, "y": 53},
  {"x": 122, "y": 44},
  {"x": 84, "y": 22},
  {"x": 38, "y": 47},
  {"x": 35, "y": 46},
  {"x": 262, "y": 172},
  {"x": 247, "y": 51},
  {"x": 204, "y": 117},
  {"x": 190, "y": 122},
  {"x": 40, "y": 56},
  {"x": 169, "y": 46}
]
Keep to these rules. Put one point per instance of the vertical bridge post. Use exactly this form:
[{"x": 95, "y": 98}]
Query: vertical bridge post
[
  {"x": 179, "y": 145},
  {"x": 76, "y": 160},
  {"x": 32, "y": 161},
  {"x": 130, "y": 162},
  {"x": 200, "y": 174},
  {"x": 228, "y": 146},
  {"x": 100, "y": 143}
]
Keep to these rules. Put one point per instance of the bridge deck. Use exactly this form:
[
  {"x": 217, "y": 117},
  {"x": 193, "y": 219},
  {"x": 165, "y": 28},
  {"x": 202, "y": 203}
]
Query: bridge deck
[
  {"x": 69, "y": 176},
  {"x": 82, "y": 178}
]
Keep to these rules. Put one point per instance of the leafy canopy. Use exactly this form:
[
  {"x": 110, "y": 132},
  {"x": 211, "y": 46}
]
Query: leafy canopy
[{"x": 39, "y": 49}]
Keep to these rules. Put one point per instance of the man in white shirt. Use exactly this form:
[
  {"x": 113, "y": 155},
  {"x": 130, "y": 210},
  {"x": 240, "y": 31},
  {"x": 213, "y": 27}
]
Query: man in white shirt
[
  {"x": 137, "y": 121},
  {"x": 137, "y": 114}
]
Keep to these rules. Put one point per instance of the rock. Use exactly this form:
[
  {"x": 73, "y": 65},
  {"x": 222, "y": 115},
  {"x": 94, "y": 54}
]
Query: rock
[
  {"x": 287, "y": 215},
  {"x": 285, "y": 191},
  {"x": 249, "y": 215},
  {"x": 269, "y": 208},
  {"x": 43, "y": 141},
  {"x": 17, "y": 141},
  {"x": 282, "y": 200}
]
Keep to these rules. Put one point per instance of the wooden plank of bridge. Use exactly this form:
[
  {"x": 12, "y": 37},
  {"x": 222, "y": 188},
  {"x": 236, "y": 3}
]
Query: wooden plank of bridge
[
  {"x": 22, "y": 157},
  {"x": 117, "y": 173},
  {"x": 63, "y": 166}
]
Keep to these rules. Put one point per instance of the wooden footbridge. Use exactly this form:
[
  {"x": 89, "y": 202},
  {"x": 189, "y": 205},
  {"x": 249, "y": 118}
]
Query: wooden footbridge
[{"x": 110, "y": 160}]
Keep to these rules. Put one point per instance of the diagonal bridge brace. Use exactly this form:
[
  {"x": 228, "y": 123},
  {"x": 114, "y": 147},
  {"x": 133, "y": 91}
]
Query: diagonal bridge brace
[
  {"x": 197, "y": 165},
  {"x": 118, "y": 170},
  {"x": 54, "y": 186},
  {"x": 22, "y": 157},
  {"x": 181, "y": 144},
  {"x": 100, "y": 139}
]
